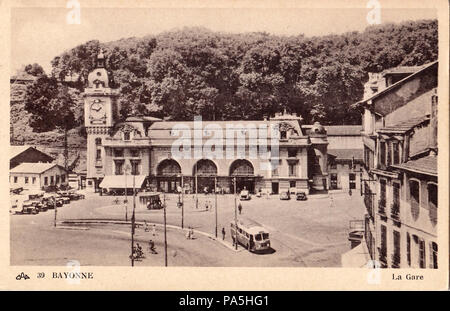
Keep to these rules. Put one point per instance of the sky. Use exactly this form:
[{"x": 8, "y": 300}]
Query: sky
[{"x": 40, "y": 34}]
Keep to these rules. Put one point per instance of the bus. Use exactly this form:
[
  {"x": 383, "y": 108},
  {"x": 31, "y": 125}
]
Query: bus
[{"x": 250, "y": 234}]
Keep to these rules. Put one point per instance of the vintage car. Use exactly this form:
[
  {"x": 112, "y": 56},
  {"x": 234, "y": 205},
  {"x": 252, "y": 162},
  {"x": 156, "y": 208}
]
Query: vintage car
[
  {"x": 301, "y": 196},
  {"x": 65, "y": 196},
  {"x": 40, "y": 205},
  {"x": 285, "y": 195},
  {"x": 244, "y": 195},
  {"x": 29, "y": 207}
]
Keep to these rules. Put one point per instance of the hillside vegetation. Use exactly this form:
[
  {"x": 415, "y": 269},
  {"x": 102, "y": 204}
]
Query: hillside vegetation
[{"x": 221, "y": 76}]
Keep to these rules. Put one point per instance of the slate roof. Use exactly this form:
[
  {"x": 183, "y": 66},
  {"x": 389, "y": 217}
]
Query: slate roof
[
  {"x": 346, "y": 154},
  {"x": 404, "y": 126},
  {"x": 33, "y": 168},
  {"x": 402, "y": 69},
  {"x": 343, "y": 130},
  {"x": 425, "y": 165},
  {"x": 16, "y": 150},
  {"x": 391, "y": 87}
]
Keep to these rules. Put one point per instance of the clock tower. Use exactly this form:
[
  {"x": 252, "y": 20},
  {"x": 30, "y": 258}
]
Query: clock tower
[{"x": 100, "y": 113}]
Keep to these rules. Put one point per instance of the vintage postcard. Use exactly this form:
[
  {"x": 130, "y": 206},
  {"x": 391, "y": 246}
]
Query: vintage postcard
[{"x": 224, "y": 145}]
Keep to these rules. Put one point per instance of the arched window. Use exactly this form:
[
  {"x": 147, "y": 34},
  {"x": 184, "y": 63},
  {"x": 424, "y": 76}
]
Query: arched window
[
  {"x": 169, "y": 167},
  {"x": 241, "y": 168},
  {"x": 205, "y": 167},
  {"x": 98, "y": 141}
]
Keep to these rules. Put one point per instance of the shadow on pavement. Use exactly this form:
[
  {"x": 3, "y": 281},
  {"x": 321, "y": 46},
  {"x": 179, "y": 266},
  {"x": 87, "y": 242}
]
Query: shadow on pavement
[{"x": 265, "y": 251}]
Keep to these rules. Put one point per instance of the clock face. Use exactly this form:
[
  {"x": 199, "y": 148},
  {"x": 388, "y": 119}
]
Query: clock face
[{"x": 97, "y": 109}]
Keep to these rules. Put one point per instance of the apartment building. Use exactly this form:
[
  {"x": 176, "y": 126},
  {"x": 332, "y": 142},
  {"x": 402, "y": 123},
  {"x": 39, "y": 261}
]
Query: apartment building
[{"x": 400, "y": 171}]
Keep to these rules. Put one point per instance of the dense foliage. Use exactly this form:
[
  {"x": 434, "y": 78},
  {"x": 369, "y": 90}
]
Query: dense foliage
[{"x": 223, "y": 76}]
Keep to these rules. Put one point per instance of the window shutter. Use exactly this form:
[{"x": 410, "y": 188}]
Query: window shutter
[{"x": 430, "y": 255}]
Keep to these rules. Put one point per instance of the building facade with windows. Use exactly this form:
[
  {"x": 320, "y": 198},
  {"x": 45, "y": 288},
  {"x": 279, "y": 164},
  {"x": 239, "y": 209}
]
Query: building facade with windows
[
  {"x": 37, "y": 176},
  {"x": 345, "y": 156},
  {"x": 400, "y": 171},
  {"x": 143, "y": 146}
]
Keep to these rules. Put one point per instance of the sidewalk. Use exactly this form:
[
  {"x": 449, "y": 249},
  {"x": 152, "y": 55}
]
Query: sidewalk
[{"x": 357, "y": 257}]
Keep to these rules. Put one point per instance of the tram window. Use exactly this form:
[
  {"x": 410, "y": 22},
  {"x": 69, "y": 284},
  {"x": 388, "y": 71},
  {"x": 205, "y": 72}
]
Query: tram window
[
  {"x": 258, "y": 237},
  {"x": 265, "y": 236}
]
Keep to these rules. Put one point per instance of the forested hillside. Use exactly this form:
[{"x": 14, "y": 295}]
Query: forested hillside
[{"x": 223, "y": 76}]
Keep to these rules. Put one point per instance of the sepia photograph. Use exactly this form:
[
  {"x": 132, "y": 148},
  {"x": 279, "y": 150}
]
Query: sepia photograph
[{"x": 268, "y": 137}]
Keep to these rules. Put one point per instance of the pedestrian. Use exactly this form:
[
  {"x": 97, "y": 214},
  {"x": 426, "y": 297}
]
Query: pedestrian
[
  {"x": 240, "y": 208},
  {"x": 188, "y": 234},
  {"x": 154, "y": 230},
  {"x": 350, "y": 192},
  {"x": 191, "y": 233},
  {"x": 151, "y": 246},
  {"x": 146, "y": 229},
  {"x": 223, "y": 233}
]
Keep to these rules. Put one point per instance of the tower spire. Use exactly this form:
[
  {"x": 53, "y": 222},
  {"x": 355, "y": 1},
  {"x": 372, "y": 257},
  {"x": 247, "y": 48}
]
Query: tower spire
[{"x": 100, "y": 59}]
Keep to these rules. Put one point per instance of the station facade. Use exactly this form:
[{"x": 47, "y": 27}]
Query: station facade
[{"x": 141, "y": 149}]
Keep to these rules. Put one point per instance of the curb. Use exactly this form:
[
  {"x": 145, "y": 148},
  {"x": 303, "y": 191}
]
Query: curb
[{"x": 122, "y": 222}]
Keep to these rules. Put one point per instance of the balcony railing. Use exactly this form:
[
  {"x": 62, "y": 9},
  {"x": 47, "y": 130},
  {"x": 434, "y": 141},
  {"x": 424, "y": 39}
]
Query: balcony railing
[
  {"x": 395, "y": 260},
  {"x": 382, "y": 207},
  {"x": 395, "y": 211}
]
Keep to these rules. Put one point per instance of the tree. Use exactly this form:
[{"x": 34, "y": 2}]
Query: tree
[
  {"x": 50, "y": 105},
  {"x": 34, "y": 69},
  {"x": 194, "y": 71}
]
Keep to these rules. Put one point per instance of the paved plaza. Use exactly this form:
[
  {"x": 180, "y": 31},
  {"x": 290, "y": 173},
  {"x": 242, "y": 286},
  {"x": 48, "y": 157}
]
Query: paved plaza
[{"x": 312, "y": 233}]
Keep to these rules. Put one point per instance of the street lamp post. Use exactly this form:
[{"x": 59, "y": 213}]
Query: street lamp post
[
  {"x": 54, "y": 204},
  {"x": 133, "y": 223},
  {"x": 165, "y": 230},
  {"x": 182, "y": 203},
  {"x": 215, "y": 200},
  {"x": 235, "y": 216},
  {"x": 196, "y": 186},
  {"x": 126, "y": 190}
]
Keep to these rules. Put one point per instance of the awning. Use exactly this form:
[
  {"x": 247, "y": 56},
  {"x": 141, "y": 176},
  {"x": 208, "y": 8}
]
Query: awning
[{"x": 118, "y": 181}]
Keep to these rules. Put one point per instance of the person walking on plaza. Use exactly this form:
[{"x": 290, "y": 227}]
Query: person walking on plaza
[
  {"x": 240, "y": 208},
  {"x": 154, "y": 230},
  {"x": 223, "y": 233},
  {"x": 151, "y": 246}
]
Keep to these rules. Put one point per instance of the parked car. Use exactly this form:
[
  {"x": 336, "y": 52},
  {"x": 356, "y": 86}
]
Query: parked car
[
  {"x": 285, "y": 195},
  {"x": 245, "y": 195},
  {"x": 49, "y": 202},
  {"x": 301, "y": 196},
  {"x": 40, "y": 205},
  {"x": 29, "y": 207},
  {"x": 58, "y": 200}
]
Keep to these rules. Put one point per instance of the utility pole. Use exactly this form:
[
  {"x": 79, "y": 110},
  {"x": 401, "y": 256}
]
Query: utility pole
[
  {"x": 215, "y": 200},
  {"x": 165, "y": 231},
  {"x": 235, "y": 215},
  {"x": 66, "y": 150},
  {"x": 133, "y": 223}
]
